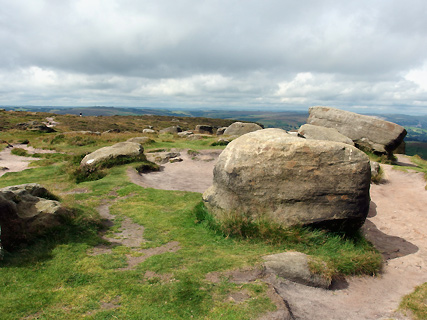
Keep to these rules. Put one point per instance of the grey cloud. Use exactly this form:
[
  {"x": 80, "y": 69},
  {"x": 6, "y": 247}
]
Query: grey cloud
[{"x": 121, "y": 47}]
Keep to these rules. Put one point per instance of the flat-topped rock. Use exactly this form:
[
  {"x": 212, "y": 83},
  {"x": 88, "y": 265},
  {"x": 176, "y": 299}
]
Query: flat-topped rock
[
  {"x": 365, "y": 131},
  {"x": 310, "y": 131},
  {"x": 240, "y": 128},
  {"x": 121, "y": 149}
]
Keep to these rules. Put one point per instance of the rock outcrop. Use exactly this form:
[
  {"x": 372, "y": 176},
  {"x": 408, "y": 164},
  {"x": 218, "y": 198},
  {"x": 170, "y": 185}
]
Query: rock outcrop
[
  {"x": 365, "y": 131},
  {"x": 269, "y": 174},
  {"x": 26, "y": 211},
  {"x": 118, "y": 150},
  {"x": 240, "y": 128},
  {"x": 173, "y": 130},
  {"x": 204, "y": 129},
  {"x": 310, "y": 131}
]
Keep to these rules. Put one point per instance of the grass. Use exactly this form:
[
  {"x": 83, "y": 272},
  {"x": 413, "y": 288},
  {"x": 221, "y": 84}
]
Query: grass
[
  {"x": 60, "y": 279},
  {"x": 421, "y": 166},
  {"x": 56, "y": 277},
  {"x": 416, "y": 302}
]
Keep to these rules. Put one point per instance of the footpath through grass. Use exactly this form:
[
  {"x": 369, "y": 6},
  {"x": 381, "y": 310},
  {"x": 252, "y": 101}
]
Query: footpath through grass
[{"x": 57, "y": 276}]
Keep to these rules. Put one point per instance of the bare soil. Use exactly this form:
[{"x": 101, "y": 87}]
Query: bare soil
[{"x": 12, "y": 163}]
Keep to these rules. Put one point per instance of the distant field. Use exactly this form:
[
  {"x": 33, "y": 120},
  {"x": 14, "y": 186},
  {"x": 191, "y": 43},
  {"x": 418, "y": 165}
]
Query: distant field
[{"x": 416, "y": 147}]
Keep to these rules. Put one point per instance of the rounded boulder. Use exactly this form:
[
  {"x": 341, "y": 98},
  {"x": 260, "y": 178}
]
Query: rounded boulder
[{"x": 271, "y": 175}]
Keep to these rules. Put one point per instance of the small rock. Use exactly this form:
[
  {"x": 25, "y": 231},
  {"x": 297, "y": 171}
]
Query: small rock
[
  {"x": 240, "y": 128},
  {"x": 294, "y": 266}
]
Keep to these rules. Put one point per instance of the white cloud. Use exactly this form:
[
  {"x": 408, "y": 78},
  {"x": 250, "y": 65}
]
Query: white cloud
[{"x": 279, "y": 53}]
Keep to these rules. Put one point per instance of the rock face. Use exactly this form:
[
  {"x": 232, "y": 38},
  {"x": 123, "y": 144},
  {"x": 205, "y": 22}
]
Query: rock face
[
  {"x": 27, "y": 210},
  {"x": 269, "y": 174},
  {"x": 121, "y": 149},
  {"x": 240, "y": 128},
  {"x": 35, "y": 126},
  {"x": 220, "y": 131},
  {"x": 365, "y": 131},
  {"x": 173, "y": 129},
  {"x": 204, "y": 129},
  {"x": 294, "y": 266},
  {"x": 310, "y": 131}
]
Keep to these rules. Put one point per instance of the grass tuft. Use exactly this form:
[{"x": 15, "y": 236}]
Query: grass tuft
[{"x": 340, "y": 253}]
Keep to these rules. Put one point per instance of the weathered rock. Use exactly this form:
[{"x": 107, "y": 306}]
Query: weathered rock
[
  {"x": 365, "y": 131},
  {"x": 204, "y": 129},
  {"x": 310, "y": 131},
  {"x": 35, "y": 126},
  {"x": 269, "y": 174},
  {"x": 185, "y": 134},
  {"x": 112, "y": 131},
  {"x": 173, "y": 129},
  {"x": 121, "y": 149},
  {"x": 220, "y": 131},
  {"x": 140, "y": 140},
  {"x": 26, "y": 211},
  {"x": 294, "y": 266},
  {"x": 240, "y": 128},
  {"x": 148, "y": 131}
]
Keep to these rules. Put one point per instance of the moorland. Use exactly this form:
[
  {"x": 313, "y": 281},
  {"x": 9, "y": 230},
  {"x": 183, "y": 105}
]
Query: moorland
[{"x": 67, "y": 274}]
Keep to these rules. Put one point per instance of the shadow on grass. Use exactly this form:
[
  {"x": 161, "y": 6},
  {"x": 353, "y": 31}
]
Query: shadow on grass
[{"x": 73, "y": 230}]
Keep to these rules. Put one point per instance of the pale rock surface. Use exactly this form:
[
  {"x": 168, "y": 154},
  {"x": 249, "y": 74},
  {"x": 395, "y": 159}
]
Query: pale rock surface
[
  {"x": 121, "y": 149},
  {"x": 365, "y": 131},
  {"x": 271, "y": 175},
  {"x": 310, "y": 131},
  {"x": 240, "y": 128},
  {"x": 294, "y": 266}
]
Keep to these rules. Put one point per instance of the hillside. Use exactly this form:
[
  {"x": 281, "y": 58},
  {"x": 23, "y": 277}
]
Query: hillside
[{"x": 144, "y": 248}]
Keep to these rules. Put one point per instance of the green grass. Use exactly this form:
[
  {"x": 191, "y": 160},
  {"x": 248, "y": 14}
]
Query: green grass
[
  {"x": 59, "y": 279},
  {"x": 56, "y": 277},
  {"x": 416, "y": 302}
]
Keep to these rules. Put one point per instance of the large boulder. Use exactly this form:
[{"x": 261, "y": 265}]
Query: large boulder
[
  {"x": 310, "y": 131},
  {"x": 27, "y": 210},
  {"x": 269, "y": 174},
  {"x": 365, "y": 131},
  {"x": 119, "y": 150},
  {"x": 240, "y": 128}
]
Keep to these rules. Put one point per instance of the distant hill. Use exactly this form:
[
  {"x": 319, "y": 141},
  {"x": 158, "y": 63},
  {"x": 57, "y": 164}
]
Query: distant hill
[{"x": 288, "y": 120}]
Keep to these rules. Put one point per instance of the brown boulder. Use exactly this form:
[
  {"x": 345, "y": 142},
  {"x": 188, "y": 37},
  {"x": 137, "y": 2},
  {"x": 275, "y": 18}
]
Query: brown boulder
[
  {"x": 269, "y": 174},
  {"x": 365, "y": 131},
  {"x": 26, "y": 211}
]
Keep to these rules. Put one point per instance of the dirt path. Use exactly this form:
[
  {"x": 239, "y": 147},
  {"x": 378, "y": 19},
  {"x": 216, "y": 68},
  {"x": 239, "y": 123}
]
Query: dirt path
[
  {"x": 12, "y": 163},
  {"x": 397, "y": 225},
  {"x": 194, "y": 173}
]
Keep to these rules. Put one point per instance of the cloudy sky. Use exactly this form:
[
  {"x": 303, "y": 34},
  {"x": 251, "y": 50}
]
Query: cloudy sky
[{"x": 364, "y": 56}]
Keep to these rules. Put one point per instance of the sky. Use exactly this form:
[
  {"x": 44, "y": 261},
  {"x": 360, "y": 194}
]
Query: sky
[{"x": 365, "y": 56}]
